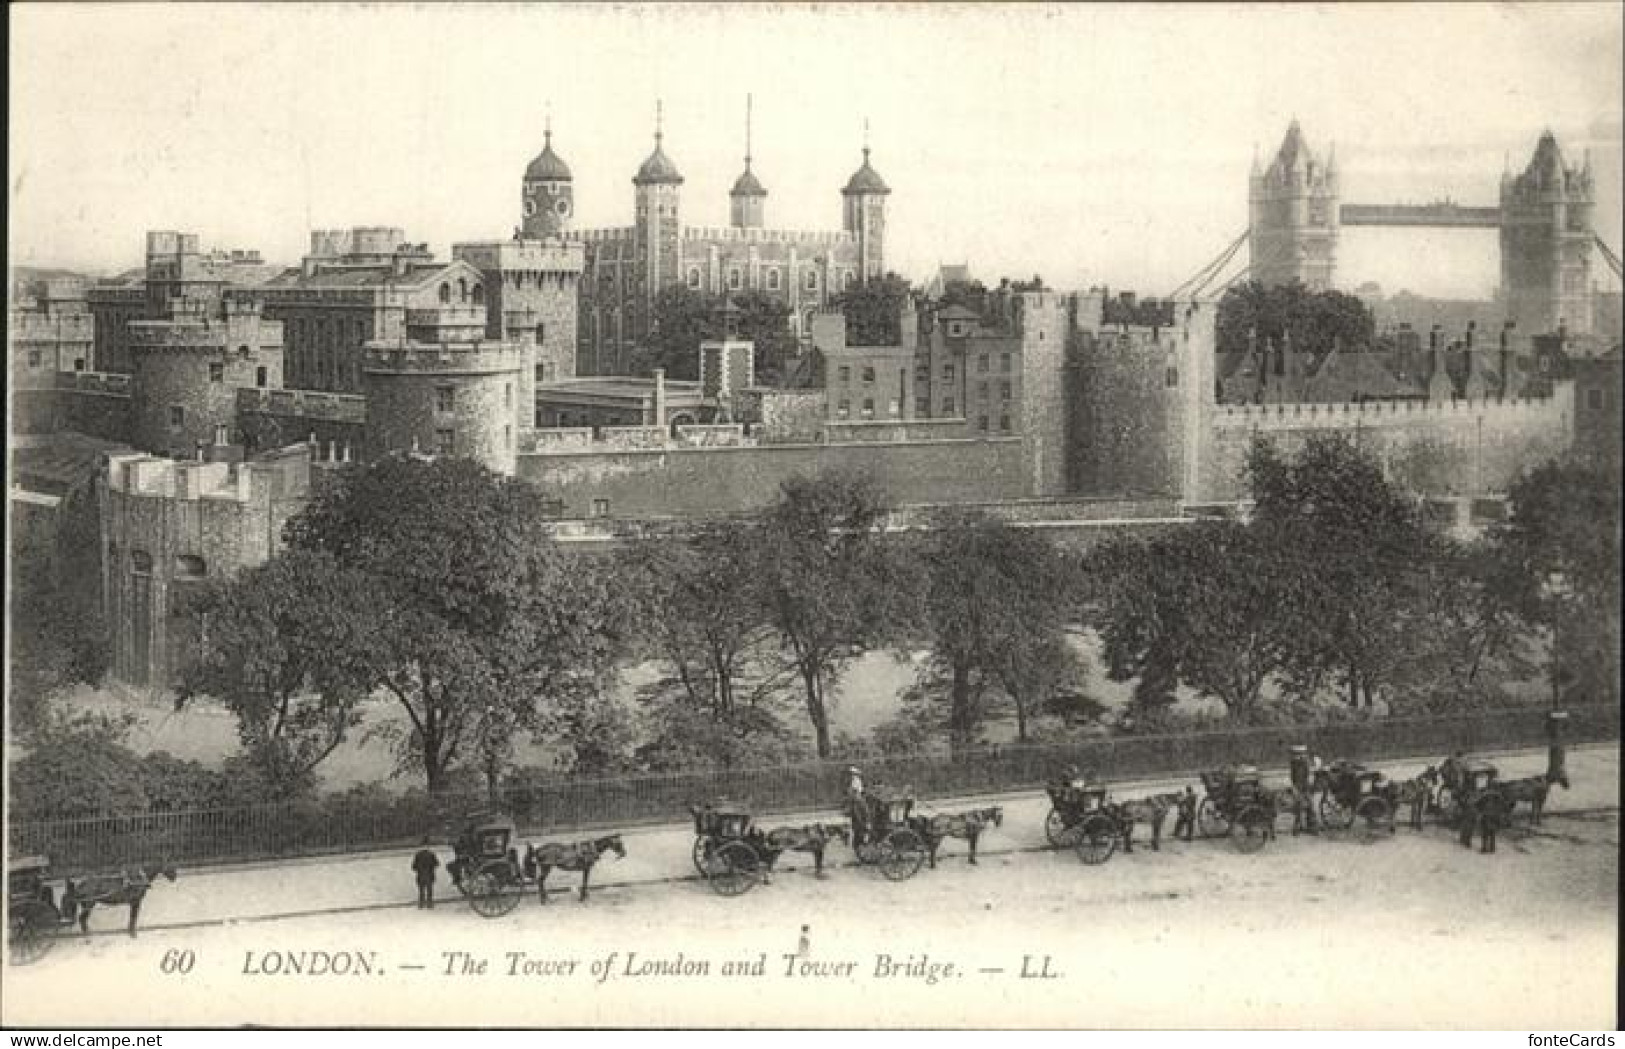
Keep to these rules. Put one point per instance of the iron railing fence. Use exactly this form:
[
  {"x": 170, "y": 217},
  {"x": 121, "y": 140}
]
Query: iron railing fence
[{"x": 348, "y": 823}]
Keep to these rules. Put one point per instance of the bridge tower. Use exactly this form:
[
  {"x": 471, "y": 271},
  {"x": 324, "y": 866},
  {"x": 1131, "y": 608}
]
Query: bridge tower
[
  {"x": 1546, "y": 237},
  {"x": 1292, "y": 235}
]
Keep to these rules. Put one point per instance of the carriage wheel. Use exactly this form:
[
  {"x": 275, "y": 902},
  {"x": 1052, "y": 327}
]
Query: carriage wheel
[
  {"x": 1333, "y": 813},
  {"x": 1210, "y": 821},
  {"x": 1253, "y": 828},
  {"x": 30, "y": 938},
  {"x": 1059, "y": 834},
  {"x": 1096, "y": 840},
  {"x": 901, "y": 854},
  {"x": 733, "y": 868},
  {"x": 492, "y": 895},
  {"x": 1374, "y": 817},
  {"x": 703, "y": 846}
]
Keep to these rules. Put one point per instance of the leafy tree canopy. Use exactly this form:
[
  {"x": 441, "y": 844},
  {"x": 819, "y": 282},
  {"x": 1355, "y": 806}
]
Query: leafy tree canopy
[{"x": 1315, "y": 320}]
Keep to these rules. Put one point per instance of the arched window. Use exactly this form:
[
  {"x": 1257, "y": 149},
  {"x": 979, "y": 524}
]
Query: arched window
[
  {"x": 848, "y": 279},
  {"x": 773, "y": 279},
  {"x": 140, "y": 562},
  {"x": 541, "y": 333},
  {"x": 811, "y": 280},
  {"x": 190, "y": 566},
  {"x": 734, "y": 278},
  {"x": 462, "y": 290},
  {"x": 694, "y": 278},
  {"x": 445, "y": 293},
  {"x": 479, "y": 295}
]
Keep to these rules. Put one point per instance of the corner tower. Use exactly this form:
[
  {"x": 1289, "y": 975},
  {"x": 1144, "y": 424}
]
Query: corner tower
[
  {"x": 863, "y": 214},
  {"x": 748, "y": 197},
  {"x": 1546, "y": 238},
  {"x": 1292, "y": 234},
  {"x": 548, "y": 195},
  {"x": 656, "y": 227}
]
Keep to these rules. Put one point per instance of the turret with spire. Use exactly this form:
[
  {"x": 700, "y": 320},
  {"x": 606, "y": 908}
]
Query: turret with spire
[
  {"x": 746, "y": 199},
  {"x": 864, "y": 214},
  {"x": 1546, "y": 242},
  {"x": 1294, "y": 218},
  {"x": 548, "y": 193}
]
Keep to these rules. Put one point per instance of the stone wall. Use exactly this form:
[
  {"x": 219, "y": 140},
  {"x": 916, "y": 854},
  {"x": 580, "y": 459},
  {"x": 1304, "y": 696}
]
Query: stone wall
[
  {"x": 91, "y": 403},
  {"x": 1458, "y": 448},
  {"x": 1124, "y": 432},
  {"x": 691, "y": 482},
  {"x": 785, "y": 416}
]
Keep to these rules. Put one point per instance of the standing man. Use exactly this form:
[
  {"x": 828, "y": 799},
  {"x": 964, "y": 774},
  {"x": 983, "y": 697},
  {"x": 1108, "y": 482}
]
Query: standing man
[
  {"x": 424, "y": 864},
  {"x": 1303, "y": 785},
  {"x": 1185, "y": 814},
  {"x": 856, "y": 806}
]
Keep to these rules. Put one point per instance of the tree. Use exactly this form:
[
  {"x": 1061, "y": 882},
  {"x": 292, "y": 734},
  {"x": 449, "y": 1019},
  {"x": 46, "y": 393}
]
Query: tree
[
  {"x": 1314, "y": 320},
  {"x": 873, "y": 311},
  {"x": 77, "y": 767},
  {"x": 765, "y": 321},
  {"x": 684, "y": 318},
  {"x": 472, "y": 613},
  {"x": 283, "y": 647},
  {"x": 996, "y": 612},
  {"x": 831, "y": 587},
  {"x": 1355, "y": 552},
  {"x": 1557, "y": 566},
  {"x": 970, "y": 294}
]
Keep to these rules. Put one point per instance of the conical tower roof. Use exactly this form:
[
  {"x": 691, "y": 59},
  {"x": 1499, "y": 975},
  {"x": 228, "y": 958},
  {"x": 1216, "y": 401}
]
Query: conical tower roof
[
  {"x": 548, "y": 165},
  {"x": 866, "y": 179}
]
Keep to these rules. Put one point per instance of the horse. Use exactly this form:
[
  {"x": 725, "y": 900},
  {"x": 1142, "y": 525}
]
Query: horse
[
  {"x": 579, "y": 856},
  {"x": 812, "y": 837},
  {"x": 1418, "y": 793},
  {"x": 1532, "y": 789},
  {"x": 1153, "y": 811},
  {"x": 968, "y": 825},
  {"x": 1289, "y": 799},
  {"x": 127, "y": 887}
]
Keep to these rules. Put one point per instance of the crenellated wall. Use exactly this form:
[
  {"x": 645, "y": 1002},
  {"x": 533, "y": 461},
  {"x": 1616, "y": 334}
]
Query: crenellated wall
[{"x": 1454, "y": 448}]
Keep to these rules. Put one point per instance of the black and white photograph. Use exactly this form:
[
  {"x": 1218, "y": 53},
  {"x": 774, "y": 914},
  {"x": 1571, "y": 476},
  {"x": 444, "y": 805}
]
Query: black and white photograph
[{"x": 813, "y": 516}]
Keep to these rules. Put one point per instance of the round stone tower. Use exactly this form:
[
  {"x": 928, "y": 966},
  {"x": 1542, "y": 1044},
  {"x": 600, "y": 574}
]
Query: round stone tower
[
  {"x": 445, "y": 390},
  {"x": 863, "y": 214}
]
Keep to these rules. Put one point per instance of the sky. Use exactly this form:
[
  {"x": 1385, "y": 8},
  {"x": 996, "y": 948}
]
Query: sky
[{"x": 1088, "y": 144}]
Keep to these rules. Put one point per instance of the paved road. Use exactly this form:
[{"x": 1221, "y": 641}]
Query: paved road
[{"x": 1409, "y": 932}]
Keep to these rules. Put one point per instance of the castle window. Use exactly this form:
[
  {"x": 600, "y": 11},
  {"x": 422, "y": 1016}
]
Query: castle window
[
  {"x": 981, "y": 362},
  {"x": 140, "y": 562},
  {"x": 948, "y": 408},
  {"x": 845, "y": 373},
  {"x": 445, "y": 442},
  {"x": 848, "y": 279},
  {"x": 1004, "y": 390},
  {"x": 868, "y": 373},
  {"x": 843, "y": 409},
  {"x": 981, "y": 390},
  {"x": 1595, "y": 399},
  {"x": 445, "y": 399},
  {"x": 217, "y": 372},
  {"x": 981, "y": 423},
  {"x": 1004, "y": 423},
  {"x": 507, "y": 437},
  {"x": 507, "y": 395},
  {"x": 922, "y": 407},
  {"x": 956, "y": 329},
  {"x": 733, "y": 278},
  {"x": 600, "y": 507},
  {"x": 261, "y": 376},
  {"x": 868, "y": 407},
  {"x": 811, "y": 282},
  {"x": 894, "y": 407},
  {"x": 462, "y": 290},
  {"x": 34, "y": 358},
  {"x": 772, "y": 279},
  {"x": 78, "y": 364},
  {"x": 177, "y": 417},
  {"x": 445, "y": 293},
  {"x": 1004, "y": 362},
  {"x": 479, "y": 295},
  {"x": 221, "y": 435},
  {"x": 1171, "y": 377},
  {"x": 922, "y": 373},
  {"x": 541, "y": 333},
  {"x": 190, "y": 566},
  {"x": 694, "y": 278},
  {"x": 244, "y": 352},
  {"x": 948, "y": 370}
]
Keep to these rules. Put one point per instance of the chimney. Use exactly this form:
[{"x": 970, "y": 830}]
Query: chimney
[
  {"x": 1472, "y": 329},
  {"x": 660, "y": 398}
]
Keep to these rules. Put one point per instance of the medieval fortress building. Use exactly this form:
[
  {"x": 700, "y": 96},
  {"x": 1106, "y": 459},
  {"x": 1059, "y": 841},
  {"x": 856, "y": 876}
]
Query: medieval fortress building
[{"x": 224, "y": 391}]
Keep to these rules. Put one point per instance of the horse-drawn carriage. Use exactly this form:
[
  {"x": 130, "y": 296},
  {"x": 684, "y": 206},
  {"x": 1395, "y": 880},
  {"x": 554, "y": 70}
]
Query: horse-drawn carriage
[
  {"x": 485, "y": 867},
  {"x": 1236, "y": 805},
  {"x": 881, "y": 834},
  {"x": 32, "y": 916},
  {"x": 1351, "y": 792},
  {"x": 723, "y": 850},
  {"x": 1471, "y": 791},
  {"x": 1080, "y": 818}
]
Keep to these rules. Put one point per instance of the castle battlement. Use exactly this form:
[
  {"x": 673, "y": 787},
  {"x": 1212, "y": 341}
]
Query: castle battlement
[
  {"x": 772, "y": 236},
  {"x": 424, "y": 358},
  {"x": 587, "y": 441},
  {"x": 593, "y": 235},
  {"x": 545, "y": 256},
  {"x": 309, "y": 404},
  {"x": 109, "y": 383},
  {"x": 283, "y": 475},
  {"x": 1342, "y": 414}
]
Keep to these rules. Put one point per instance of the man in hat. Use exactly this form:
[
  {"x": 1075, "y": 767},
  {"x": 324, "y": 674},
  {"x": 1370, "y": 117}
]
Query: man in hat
[
  {"x": 424, "y": 864},
  {"x": 856, "y": 806},
  {"x": 1303, "y": 785}
]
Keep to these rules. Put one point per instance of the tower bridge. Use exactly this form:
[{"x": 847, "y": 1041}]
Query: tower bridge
[{"x": 1544, "y": 219}]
